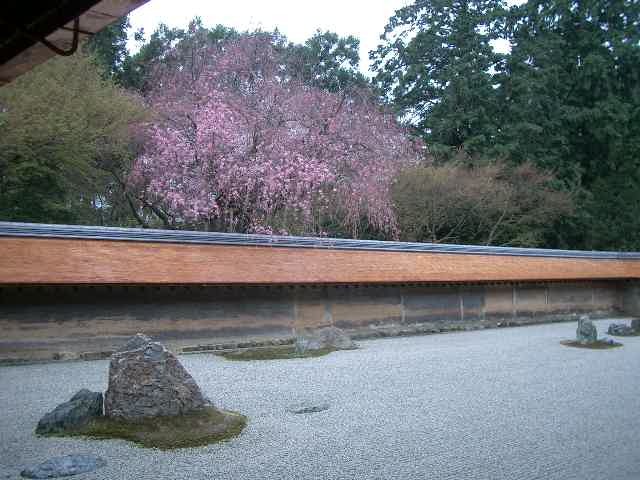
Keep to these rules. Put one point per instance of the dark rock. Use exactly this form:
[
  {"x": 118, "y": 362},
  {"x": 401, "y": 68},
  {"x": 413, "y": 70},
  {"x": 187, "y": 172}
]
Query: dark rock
[
  {"x": 64, "y": 466},
  {"x": 307, "y": 407},
  {"x": 149, "y": 382},
  {"x": 327, "y": 337},
  {"x": 137, "y": 341},
  {"x": 65, "y": 356},
  {"x": 72, "y": 415},
  {"x": 586, "y": 331},
  {"x": 635, "y": 325},
  {"x": 620, "y": 329}
]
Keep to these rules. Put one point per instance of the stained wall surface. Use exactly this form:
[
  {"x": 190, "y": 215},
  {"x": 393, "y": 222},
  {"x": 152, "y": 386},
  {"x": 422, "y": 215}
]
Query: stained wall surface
[
  {"x": 631, "y": 298},
  {"x": 39, "y": 319}
]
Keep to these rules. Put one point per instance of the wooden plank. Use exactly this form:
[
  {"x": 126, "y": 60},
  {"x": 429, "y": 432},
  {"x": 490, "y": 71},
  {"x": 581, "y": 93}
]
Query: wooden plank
[{"x": 71, "y": 261}]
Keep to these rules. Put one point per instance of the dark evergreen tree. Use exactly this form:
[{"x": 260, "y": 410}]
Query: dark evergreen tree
[
  {"x": 167, "y": 47},
  {"x": 109, "y": 47},
  {"x": 325, "y": 60},
  {"x": 571, "y": 104},
  {"x": 328, "y": 61},
  {"x": 435, "y": 65}
]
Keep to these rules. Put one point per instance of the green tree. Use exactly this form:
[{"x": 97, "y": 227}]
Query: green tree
[
  {"x": 168, "y": 47},
  {"x": 571, "y": 104},
  {"x": 435, "y": 65},
  {"x": 327, "y": 61},
  {"x": 65, "y": 140},
  {"x": 109, "y": 47},
  {"x": 612, "y": 211}
]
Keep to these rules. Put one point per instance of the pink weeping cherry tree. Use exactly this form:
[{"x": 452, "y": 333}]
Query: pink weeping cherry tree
[{"x": 238, "y": 144}]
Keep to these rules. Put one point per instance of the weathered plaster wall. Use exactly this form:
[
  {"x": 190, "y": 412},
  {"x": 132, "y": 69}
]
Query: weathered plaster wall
[
  {"x": 631, "y": 298},
  {"x": 36, "y": 321}
]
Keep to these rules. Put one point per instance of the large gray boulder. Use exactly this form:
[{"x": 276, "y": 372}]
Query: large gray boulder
[
  {"x": 586, "y": 332},
  {"x": 72, "y": 415},
  {"x": 149, "y": 381},
  {"x": 323, "y": 338},
  {"x": 64, "y": 466}
]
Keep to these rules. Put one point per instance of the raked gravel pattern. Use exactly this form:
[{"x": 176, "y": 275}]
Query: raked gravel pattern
[{"x": 495, "y": 404}]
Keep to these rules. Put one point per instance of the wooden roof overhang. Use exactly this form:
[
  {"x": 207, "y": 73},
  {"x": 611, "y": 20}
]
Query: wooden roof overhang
[{"x": 31, "y": 32}]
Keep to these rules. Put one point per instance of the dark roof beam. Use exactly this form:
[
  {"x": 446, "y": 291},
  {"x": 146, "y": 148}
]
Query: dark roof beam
[{"x": 33, "y": 32}]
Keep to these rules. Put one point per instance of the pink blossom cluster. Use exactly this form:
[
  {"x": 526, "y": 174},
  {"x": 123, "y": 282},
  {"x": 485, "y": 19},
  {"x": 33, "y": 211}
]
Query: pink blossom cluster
[{"x": 238, "y": 142}]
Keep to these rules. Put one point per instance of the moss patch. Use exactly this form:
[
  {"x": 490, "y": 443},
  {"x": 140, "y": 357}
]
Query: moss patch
[
  {"x": 597, "y": 345},
  {"x": 276, "y": 353},
  {"x": 190, "y": 430}
]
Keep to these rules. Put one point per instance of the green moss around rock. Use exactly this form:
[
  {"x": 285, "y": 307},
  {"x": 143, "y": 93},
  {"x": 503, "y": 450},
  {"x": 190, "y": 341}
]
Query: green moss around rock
[
  {"x": 195, "y": 429},
  {"x": 275, "y": 353},
  {"x": 597, "y": 345}
]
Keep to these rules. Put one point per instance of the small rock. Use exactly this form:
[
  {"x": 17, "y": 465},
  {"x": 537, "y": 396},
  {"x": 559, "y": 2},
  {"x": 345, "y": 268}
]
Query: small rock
[
  {"x": 149, "y": 382},
  {"x": 65, "y": 356},
  {"x": 327, "y": 337},
  {"x": 620, "y": 329},
  {"x": 586, "y": 332},
  {"x": 64, "y": 466},
  {"x": 308, "y": 408},
  {"x": 72, "y": 415}
]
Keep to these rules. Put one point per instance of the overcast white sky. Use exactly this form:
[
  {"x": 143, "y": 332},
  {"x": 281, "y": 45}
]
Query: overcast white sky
[{"x": 297, "y": 19}]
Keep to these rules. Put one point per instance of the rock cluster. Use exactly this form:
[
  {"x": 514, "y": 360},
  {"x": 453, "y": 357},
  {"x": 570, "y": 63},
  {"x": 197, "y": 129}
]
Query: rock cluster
[
  {"x": 323, "y": 338},
  {"x": 620, "y": 329},
  {"x": 586, "y": 332},
  {"x": 72, "y": 415},
  {"x": 147, "y": 380},
  {"x": 151, "y": 399},
  {"x": 624, "y": 330}
]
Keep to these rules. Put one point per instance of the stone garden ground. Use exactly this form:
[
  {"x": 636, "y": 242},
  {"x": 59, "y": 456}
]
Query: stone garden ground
[{"x": 493, "y": 404}]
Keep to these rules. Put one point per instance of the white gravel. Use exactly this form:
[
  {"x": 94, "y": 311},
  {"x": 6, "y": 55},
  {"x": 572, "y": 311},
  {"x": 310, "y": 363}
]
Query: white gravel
[{"x": 495, "y": 404}]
